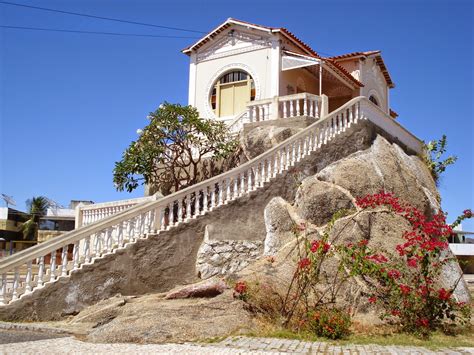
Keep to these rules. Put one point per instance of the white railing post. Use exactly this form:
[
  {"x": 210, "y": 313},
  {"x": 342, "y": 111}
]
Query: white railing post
[
  {"x": 52, "y": 268},
  {"x": 3, "y": 290},
  {"x": 16, "y": 283},
  {"x": 28, "y": 287},
  {"x": 64, "y": 261},
  {"x": 324, "y": 106},
  {"x": 41, "y": 271}
]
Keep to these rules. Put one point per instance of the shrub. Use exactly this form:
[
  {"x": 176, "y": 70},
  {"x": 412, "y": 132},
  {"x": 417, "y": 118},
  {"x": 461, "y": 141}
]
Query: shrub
[
  {"x": 404, "y": 282},
  {"x": 433, "y": 152},
  {"x": 330, "y": 323},
  {"x": 241, "y": 290},
  {"x": 401, "y": 283}
]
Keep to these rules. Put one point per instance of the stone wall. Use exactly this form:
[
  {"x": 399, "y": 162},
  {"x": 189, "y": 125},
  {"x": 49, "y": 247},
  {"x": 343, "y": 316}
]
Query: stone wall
[{"x": 224, "y": 257}]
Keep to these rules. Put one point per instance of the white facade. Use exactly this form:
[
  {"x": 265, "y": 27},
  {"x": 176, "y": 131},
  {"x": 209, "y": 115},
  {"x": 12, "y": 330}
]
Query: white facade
[{"x": 247, "y": 49}]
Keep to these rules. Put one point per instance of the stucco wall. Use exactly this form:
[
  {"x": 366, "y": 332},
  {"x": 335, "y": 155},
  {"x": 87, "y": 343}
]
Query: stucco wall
[
  {"x": 374, "y": 82},
  {"x": 298, "y": 78},
  {"x": 239, "y": 48}
]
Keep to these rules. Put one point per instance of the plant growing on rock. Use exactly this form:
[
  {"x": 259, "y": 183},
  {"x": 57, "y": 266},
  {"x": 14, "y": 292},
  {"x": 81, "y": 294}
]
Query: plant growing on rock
[
  {"x": 173, "y": 151},
  {"x": 309, "y": 300},
  {"x": 433, "y": 152},
  {"x": 404, "y": 282},
  {"x": 467, "y": 214}
]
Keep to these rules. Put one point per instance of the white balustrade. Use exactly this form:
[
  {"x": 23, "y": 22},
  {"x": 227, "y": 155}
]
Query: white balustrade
[
  {"x": 95, "y": 212},
  {"x": 27, "y": 270}
]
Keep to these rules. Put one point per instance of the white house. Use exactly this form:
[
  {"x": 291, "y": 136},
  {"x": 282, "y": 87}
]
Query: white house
[{"x": 241, "y": 67}]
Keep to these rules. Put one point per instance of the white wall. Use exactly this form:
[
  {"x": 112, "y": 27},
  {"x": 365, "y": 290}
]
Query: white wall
[
  {"x": 251, "y": 51},
  {"x": 374, "y": 82}
]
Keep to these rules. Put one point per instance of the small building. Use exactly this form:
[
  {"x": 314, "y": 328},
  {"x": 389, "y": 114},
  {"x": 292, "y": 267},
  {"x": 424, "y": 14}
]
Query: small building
[
  {"x": 239, "y": 63},
  {"x": 59, "y": 220},
  {"x": 461, "y": 244},
  {"x": 11, "y": 235}
]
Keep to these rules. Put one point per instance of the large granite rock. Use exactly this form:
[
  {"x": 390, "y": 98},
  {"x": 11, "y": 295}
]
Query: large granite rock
[
  {"x": 154, "y": 319},
  {"x": 316, "y": 201},
  {"x": 384, "y": 166},
  {"x": 260, "y": 139},
  {"x": 279, "y": 223}
]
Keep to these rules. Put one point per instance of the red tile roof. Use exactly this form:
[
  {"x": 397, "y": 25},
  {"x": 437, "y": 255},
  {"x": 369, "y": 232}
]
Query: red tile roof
[
  {"x": 378, "y": 60},
  {"x": 393, "y": 114},
  {"x": 332, "y": 63}
]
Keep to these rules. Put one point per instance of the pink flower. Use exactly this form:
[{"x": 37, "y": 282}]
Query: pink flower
[
  {"x": 423, "y": 322},
  {"x": 304, "y": 263},
  {"x": 318, "y": 245},
  {"x": 314, "y": 246},
  {"x": 377, "y": 258},
  {"x": 395, "y": 312},
  {"x": 363, "y": 242},
  {"x": 240, "y": 287},
  {"x": 405, "y": 289},
  {"x": 467, "y": 213},
  {"x": 412, "y": 262},
  {"x": 444, "y": 295},
  {"x": 394, "y": 274}
]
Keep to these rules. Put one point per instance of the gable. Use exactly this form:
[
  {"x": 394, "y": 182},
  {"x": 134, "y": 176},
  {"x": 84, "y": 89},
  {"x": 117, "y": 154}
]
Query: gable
[{"x": 232, "y": 41}]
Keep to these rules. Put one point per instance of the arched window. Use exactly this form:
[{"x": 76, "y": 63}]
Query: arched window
[
  {"x": 373, "y": 99},
  {"x": 231, "y": 92}
]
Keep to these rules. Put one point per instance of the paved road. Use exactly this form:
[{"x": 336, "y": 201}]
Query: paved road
[{"x": 12, "y": 342}]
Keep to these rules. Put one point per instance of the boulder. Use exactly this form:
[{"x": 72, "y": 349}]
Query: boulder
[
  {"x": 260, "y": 139},
  {"x": 279, "y": 225},
  {"x": 208, "y": 288},
  {"x": 316, "y": 201},
  {"x": 152, "y": 319},
  {"x": 384, "y": 166}
]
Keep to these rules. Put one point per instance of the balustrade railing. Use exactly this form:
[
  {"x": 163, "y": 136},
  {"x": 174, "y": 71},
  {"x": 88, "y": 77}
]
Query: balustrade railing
[
  {"x": 35, "y": 267},
  {"x": 302, "y": 104},
  {"x": 88, "y": 214}
]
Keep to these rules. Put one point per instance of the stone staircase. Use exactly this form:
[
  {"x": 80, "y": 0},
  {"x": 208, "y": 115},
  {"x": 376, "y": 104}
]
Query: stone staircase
[{"x": 53, "y": 263}]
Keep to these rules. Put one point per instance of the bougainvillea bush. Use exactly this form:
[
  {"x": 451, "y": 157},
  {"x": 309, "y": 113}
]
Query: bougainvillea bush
[
  {"x": 404, "y": 282},
  {"x": 309, "y": 301}
]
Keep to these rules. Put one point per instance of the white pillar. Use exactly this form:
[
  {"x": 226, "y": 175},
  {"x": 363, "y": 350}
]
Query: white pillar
[
  {"x": 192, "y": 80},
  {"x": 320, "y": 78},
  {"x": 275, "y": 65}
]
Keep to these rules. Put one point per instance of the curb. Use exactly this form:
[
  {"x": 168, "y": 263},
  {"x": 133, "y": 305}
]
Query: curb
[{"x": 31, "y": 327}]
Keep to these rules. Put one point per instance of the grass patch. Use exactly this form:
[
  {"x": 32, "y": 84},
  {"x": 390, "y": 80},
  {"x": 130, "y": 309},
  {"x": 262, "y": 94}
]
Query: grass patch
[{"x": 385, "y": 337}]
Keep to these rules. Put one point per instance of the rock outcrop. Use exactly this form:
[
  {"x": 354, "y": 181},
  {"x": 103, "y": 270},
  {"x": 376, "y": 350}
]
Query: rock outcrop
[
  {"x": 260, "y": 139},
  {"x": 154, "y": 319},
  {"x": 383, "y": 166}
]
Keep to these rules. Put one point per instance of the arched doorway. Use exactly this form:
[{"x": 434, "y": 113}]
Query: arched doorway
[{"x": 231, "y": 93}]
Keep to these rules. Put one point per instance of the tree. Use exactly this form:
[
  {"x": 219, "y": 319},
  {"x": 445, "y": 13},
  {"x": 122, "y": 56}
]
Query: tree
[
  {"x": 174, "y": 150},
  {"x": 37, "y": 207},
  {"x": 434, "y": 150}
]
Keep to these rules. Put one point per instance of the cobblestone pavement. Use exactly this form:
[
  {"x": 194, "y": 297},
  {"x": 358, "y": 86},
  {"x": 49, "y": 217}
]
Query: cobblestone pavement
[{"x": 233, "y": 345}]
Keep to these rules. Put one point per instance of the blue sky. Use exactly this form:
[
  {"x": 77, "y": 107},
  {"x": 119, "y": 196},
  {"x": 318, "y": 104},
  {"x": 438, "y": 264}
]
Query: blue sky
[{"x": 71, "y": 103}]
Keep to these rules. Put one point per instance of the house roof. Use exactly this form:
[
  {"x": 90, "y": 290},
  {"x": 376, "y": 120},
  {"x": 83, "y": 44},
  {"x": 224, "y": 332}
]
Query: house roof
[
  {"x": 378, "y": 59},
  {"x": 285, "y": 32}
]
